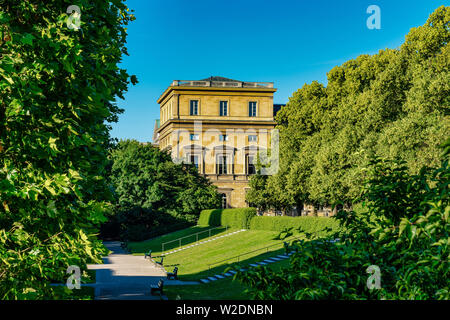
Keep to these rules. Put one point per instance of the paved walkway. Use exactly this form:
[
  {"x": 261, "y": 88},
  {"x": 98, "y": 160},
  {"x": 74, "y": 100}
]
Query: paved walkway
[{"x": 127, "y": 277}]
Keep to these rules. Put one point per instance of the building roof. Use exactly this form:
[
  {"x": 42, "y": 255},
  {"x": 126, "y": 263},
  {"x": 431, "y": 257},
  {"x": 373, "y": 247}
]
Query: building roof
[
  {"x": 217, "y": 83},
  {"x": 216, "y": 78}
]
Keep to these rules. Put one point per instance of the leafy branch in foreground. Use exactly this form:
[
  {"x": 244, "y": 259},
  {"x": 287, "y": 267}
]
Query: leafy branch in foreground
[{"x": 57, "y": 91}]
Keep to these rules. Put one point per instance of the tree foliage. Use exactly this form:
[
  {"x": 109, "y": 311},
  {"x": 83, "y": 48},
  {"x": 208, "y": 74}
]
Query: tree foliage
[
  {"x": 149, "y": 187},
  {"x": 58, "y": 88},
  {"x": 403, "y": 230},
  {"x": 392, "y": 105}
]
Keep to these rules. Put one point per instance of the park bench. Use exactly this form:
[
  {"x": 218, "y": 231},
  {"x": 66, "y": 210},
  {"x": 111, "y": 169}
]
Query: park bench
[
  {"x": 148, "y": 254},
  {"x": 160, "y": 262},
  {"x": 173, "y": 274},
  {"x": 157, "y": 288}
]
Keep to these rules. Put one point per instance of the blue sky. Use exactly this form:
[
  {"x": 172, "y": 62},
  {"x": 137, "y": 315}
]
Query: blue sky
[{"x": 288, "y": 42}]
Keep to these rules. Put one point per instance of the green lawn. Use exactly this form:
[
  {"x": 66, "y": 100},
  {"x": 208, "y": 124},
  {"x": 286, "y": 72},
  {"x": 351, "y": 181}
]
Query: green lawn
[
  {"x": 225, "y": 289},
  {"x": 139, "y": 248},
  {"x": 194, "y": 263}
]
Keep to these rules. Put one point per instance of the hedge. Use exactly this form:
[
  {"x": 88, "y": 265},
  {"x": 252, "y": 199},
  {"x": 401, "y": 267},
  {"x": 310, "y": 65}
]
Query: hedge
[
  {"x": 313, "y": 225},
  {"x": 236, "y": 218}
]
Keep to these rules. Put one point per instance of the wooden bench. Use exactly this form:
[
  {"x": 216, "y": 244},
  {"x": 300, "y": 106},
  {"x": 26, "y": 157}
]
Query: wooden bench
[
  {"x": 148, "y": 254},
  {"x": 157, "y": 288},
  {"x": 160, "y": 262},
  {"x": 173, "y": 274}
]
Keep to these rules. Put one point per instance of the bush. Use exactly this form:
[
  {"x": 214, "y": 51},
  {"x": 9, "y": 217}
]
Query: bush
[
  {"x": 315, "y": 225},
  {"x": 237, "y": 218}
]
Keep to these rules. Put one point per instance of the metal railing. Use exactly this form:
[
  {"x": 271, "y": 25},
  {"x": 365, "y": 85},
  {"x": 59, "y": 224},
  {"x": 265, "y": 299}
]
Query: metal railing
[
  {"x": 189, "y": 236},
  {"x": 246, "y": 253},
  {"x": 208, "y": 83}
]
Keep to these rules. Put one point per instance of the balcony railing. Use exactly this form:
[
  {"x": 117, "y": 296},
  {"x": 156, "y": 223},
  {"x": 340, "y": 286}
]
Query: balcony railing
[{"x": 224, "y": 84}]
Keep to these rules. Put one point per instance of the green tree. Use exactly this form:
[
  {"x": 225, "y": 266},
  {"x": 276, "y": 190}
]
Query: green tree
[
  {"x": 150, "y": 188},
  {"x": 58, "y": 88},
  {"x": 403, "y": 229},
  {"x": 393, "y": 105}
]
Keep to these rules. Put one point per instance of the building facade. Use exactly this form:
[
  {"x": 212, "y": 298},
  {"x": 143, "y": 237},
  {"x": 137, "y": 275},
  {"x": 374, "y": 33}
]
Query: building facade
[{"x": 220, "y": 125}]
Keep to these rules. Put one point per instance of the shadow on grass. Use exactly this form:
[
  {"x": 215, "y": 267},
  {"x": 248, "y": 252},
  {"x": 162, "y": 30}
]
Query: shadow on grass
[{"x": 171, "y": 265}]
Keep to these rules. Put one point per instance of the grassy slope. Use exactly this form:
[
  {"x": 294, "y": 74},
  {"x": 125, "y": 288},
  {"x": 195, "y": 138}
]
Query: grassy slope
[
  {"x": 194, "y": 263},
  {"x": 154, "y": 244}
]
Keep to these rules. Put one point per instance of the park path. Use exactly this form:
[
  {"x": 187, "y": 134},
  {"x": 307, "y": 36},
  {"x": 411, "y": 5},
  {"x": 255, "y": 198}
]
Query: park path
[{"x": 124, "y": 276}]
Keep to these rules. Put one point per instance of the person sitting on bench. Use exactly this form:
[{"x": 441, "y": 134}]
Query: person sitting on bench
[
  {"x": 173, "y": 274},
  {"x": 157, "y": 288},
  {"x": 148, "y": 254}
]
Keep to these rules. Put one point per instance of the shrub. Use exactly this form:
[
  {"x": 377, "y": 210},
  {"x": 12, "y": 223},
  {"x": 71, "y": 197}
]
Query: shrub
[
  {"x": 237, "y": 218},
  {"x": 314, "y": 225}
]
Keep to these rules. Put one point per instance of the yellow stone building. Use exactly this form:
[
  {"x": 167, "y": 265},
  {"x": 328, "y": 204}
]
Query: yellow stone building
[{"x": 219, "y": 125}]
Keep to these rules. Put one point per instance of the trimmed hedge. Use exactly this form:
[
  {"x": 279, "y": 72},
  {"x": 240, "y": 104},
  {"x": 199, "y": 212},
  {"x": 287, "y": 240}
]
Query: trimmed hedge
[
  {"x": 307, "y": 224},
  {"x": 235, "y": 218}
]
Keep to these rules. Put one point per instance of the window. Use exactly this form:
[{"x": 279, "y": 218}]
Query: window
[
  {"x": 194, "y": 137},
  {"x": 252, "y": 109},
  {"x": 251, "y": 169},
  {"x": 223, "y": 108},
  {"x": 224, "y": 201},
  {"x": 223, "y": 137},
  {"x": 194, "y": 108},
  {"x": 221, "y": 164},
  {"x": 252, "y": 138},
  {"x": 194, "y": 160}
]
